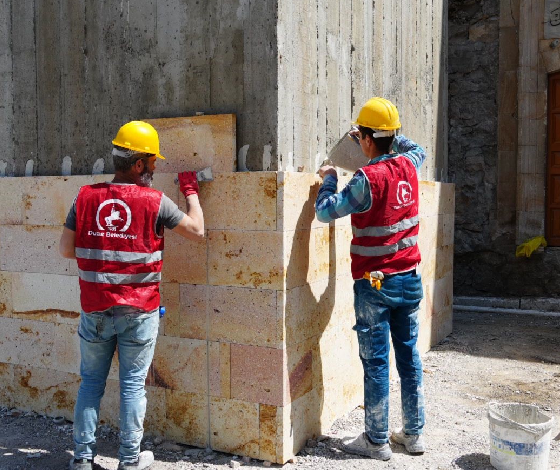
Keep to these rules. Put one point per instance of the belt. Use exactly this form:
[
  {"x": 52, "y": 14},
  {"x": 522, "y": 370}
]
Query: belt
[{"x": 412, "y": 271}]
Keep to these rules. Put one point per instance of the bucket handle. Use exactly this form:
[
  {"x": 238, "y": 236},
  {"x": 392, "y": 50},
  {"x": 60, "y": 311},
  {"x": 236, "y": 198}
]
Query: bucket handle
[{"x": 515, "y": 424}]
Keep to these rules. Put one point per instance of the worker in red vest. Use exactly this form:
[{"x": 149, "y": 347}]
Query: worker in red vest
[
  {"x": 382, "y": 198},
  {"x": 115, "y": 232}
]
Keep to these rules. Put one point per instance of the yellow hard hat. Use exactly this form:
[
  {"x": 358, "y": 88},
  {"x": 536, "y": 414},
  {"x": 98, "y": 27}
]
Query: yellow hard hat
[
  {"x": 379, "y": 113},
  {"x": 140, "y": 137}
]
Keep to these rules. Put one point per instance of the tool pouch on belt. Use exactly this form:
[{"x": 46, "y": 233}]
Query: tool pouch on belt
[{"x": 375, "y": 277}]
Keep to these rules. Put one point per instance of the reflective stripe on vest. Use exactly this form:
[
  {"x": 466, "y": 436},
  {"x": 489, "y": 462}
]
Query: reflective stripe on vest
[
  {"x": 404, "y": 224},
  {"x": 114, "y": 278},
  {"x": 121, "y": 256},
  {"x": 384, "y": 249}
]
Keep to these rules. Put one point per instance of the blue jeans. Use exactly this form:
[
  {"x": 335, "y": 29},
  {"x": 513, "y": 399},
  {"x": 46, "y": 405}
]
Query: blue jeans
[
  {"x": 135, "y": 334},
  {"x": 394, "y": 310}
]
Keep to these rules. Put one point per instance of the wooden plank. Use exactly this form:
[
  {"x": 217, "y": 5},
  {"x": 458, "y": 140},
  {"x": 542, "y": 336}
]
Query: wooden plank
[
  {"x": 24, "y": 84},
  {"x": 6, "y": 90},
  {"x": 72, "y": 85}
]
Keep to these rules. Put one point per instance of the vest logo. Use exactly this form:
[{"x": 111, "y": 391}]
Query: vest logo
[
  {"x": 113, "y": 215},
  {"x": 404, "y": 195}
]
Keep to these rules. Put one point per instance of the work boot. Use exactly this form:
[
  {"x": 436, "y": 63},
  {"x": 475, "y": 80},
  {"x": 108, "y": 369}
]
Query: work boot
[
  {"x": 413, "y": 443},
  {"x": 80, "y": 464},
  {"x": 145, "y": 459},
  {"x": 361, "y": 445}
]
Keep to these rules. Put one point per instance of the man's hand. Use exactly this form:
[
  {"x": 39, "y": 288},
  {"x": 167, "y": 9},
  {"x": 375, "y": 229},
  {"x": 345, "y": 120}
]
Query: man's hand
[
  {"x": 327, "y": 170},
  {"x": 188, "y": 183}
]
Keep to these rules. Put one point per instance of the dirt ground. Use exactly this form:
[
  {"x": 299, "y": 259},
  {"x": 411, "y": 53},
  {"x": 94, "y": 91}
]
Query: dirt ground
[{"x": 489, "y": 357}]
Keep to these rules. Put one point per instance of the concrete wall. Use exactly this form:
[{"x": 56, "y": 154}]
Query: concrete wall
[
  {"x": 256, "y": 352},
  {"x": 334, "y": 56},
  {"x": 71, "y": 73},
  {"x": 294, "y": 72}
]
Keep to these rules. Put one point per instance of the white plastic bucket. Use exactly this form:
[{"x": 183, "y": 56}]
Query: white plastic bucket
[{"x": 519, "y": 436}]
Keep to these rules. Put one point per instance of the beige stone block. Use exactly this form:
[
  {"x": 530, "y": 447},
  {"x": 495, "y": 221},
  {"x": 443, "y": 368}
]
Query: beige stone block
[
  {"x": 47, "y": 199},
  {"x": 300, "y": 421},
  {"x": 244, "y": 316},
  {"x": 297, "y": 193},
  {"x": 31, "y": 248},
  {"x": 189, "y": 320},
  {"x": 549, "y": 57},
  {"x": 527, "y": 105},
  {"x": 531, "y": 193},
  {"x": 184, "y": 261},
  {"x": 268, "y": 432},
  {"x": 220, "y": 369},
  {"x": 170, "y": 299},
  {"x": 299, "y": 362},
  {"x": 429, "y": 198},
  {"x": 447, "y": 198},
  {"x": 193, "y": 143},
  {"x": 5, "y": 294},
  {"x": 45, "y": 390},
  {"x": 12, "y": 191},
  {"x": 25, "y": 342},
  {"x": 444, "y": 259},
  {"x": 7, "y": 390},
  {"x": 245, "y": 260},
  {"x": 509, "y": 14},
  {"x": 240, "y": 201},
  {"x": 156, "y": 418},
  {"x": 527, "y": 80},
  {"x": 443, "y": 293},
  {"x": 442, "y": 325},
  {"x": 256, "y": 374},
  {"x": 446, "y": 229},
  {"x": 66, "y": 348},
  {"x": 165, "y": 182},
  {"x": 234, "y": 426},
  {"x": 187, "y": 418},
  {"x": 530, "y": 161},
  {"x": 38, "y": 294},
  {"x": 180, "y": 364}
]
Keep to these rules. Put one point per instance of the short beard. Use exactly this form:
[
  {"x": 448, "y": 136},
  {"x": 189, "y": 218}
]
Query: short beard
[{"x": 146, "y": 178}]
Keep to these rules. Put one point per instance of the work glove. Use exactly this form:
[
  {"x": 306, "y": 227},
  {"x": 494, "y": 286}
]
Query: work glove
[{"x": 188, "y": 183}]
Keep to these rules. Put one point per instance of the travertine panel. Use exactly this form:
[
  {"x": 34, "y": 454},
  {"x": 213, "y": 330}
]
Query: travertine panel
[
  {"x": 170, "y": 299},
  {"x": 299, "y": 362},
  {"x": 268, "y": 432},
  {"x": 255, "y": 374},
  {"x": 46, "y": 292},
  {"x": 180, "y": 364},
  {"x": 190, "y": 319},
  {"x": 155, "y": 411},
  {"x": 243, "y": 316},
  {"x": 443, "y": 293},
  {"x": 166, "y": 183},
  {"x": 51, "y": 391},
  {"x": 7, "y": 384},
  {"x": 47, "y": 200},
  {"x": 27, "y": 343},
  {"x": 184, "y": 261},
  {"x": 193, "y": 143},
  {"x": 219, "y": 369},
  {"x": 31, "y": 248},
  {"x": 186, "y": 417},
  {"x": 240, "y": 201},
  {"x": 12, "y": 190},
  {"x": 296, "y": 211},
  {"x": 66, "y": 348},
  {"x": 234, "y": 426},
  {"x": 240, "y": 259},
  {"x": 5, "y": 294}
]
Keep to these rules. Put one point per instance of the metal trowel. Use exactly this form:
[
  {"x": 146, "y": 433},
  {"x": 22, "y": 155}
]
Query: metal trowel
[{"x": 202, "y": 175}]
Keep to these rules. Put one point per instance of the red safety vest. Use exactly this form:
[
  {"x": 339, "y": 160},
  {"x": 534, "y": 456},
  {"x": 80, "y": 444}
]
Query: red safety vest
[
  {"x": 118, "y": 251},
  {"x": 385, "y": 236}
]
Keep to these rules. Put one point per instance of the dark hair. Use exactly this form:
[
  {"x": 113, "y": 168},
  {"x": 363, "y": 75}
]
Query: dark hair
[
  {"x": 124, "y": 164},
  {"x": 383, "y": 144}
]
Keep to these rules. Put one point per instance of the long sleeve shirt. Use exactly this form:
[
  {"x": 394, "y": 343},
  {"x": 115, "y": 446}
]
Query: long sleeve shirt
[{"x": 356, "y": 196}]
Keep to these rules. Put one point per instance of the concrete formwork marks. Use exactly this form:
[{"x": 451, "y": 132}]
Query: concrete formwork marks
[{"x": 6, "y": 88}]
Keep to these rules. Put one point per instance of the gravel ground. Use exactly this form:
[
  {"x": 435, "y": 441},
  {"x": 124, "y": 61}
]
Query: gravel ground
[{"x": 489, "y": 357}]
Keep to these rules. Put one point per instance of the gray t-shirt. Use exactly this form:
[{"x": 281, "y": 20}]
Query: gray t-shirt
[{"x": 169, "y": 215}]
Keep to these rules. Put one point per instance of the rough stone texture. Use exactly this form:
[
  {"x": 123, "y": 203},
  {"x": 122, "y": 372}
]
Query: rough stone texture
[{"x": 258, "y": 330}]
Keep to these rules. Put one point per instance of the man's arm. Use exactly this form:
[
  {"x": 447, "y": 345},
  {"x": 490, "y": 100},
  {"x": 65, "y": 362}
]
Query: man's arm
[
  {"x": 67, "y": 244},
  {"x": 191, "y": 225},
  {"x": 355, "y": 197},
  {"x": 409, "y": 149}
]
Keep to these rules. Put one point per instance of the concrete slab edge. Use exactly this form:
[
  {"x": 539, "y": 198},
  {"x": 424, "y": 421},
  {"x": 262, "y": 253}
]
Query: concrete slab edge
[{"x": 548, "y": 306}]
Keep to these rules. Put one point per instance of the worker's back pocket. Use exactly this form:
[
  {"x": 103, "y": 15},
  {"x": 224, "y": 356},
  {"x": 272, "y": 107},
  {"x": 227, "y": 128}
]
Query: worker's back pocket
[{"x": 143, "y": 328}]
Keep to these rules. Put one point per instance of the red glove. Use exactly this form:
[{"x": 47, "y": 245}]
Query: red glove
[{"x": 188, "y": 183}]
